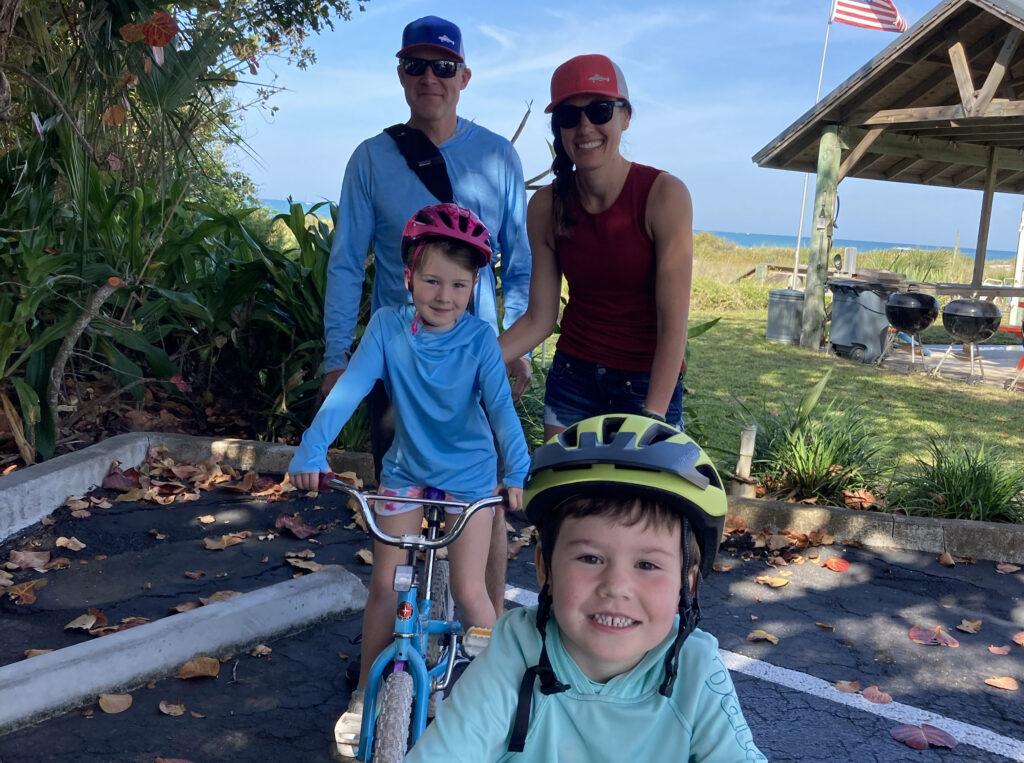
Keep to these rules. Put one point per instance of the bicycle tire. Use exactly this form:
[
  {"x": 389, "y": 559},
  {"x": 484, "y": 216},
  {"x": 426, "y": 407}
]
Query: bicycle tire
[
  {"x": 391, "y": 732},
  {"x": 442, "y": 608}
]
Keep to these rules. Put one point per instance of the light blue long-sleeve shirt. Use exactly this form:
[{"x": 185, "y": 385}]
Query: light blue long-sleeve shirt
[
  {"x": 378, "y": 196},
  {"x": 625, "y": 719},
  {"x": 437, "y": 381}
]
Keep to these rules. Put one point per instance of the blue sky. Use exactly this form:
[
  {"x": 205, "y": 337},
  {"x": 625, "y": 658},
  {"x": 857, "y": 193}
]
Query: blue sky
[{"x": 711, "y": 82}]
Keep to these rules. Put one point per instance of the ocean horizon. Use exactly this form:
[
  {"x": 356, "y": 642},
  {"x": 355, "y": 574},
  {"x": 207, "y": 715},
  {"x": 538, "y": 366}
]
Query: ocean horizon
[{"x": 754, "y": 240}]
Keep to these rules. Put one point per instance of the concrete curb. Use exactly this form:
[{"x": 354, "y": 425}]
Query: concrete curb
[
  {"x": 44, "y": 686},
  {"x": 982, "y": 540},
  {"x": 28, "y": 495}
]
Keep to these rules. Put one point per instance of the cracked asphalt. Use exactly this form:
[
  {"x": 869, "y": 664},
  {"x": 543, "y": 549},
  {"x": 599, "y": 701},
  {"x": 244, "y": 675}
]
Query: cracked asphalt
[{"x": 283, "y": 706}]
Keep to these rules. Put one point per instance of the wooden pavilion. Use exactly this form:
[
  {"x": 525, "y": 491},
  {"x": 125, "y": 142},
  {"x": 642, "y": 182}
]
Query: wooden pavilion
[{"x": 942, "y": 105}]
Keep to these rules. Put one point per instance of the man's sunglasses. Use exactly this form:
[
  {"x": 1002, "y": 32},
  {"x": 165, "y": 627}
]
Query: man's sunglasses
[
  {"x": 442, "y": 67},
  {"x": 565, "y": 116}
]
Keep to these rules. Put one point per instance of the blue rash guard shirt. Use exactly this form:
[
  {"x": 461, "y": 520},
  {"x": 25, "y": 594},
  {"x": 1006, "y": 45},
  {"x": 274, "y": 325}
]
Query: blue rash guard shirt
[
  {"x": 625, "y": 719},
  {"x": 378, "y": 196},
  {"x": 437, "y": 380}
]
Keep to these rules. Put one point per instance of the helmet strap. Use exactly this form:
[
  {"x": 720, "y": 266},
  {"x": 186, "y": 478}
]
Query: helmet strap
[
  {"x": 689, "y": 616},
  {"x": 549, "y": 683}
]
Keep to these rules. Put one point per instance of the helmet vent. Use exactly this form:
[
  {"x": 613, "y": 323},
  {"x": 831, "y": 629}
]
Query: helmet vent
[
  {"x": 610, "y": 427},
  {"x": 655, "y": 434},
  {"x": 709, "y": 471}
]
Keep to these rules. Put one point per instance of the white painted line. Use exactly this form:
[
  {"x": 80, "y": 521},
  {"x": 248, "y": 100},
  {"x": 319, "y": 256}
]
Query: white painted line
[
  {"x": 964, "y": 733},
  {"x": 520, "y": 596}
]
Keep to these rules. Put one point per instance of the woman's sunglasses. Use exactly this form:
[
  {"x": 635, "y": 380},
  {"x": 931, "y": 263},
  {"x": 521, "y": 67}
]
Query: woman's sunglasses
[
  {"x": 565, "y": 116},
  {"x": 442, "y": 67}
]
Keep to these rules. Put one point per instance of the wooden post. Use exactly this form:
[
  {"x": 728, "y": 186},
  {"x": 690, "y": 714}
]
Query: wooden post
[
  {"x": 986, "y": 218},
  {"x": 813, "y": 325},
  {"x": 743, "y": 486}
]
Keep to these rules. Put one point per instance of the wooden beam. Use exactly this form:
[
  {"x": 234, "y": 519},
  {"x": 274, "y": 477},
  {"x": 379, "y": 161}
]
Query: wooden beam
[
  {"x": 858, "y": 151},
  {"x": 986, "y": 218},
  {"x": 946, "y": 151},
  {"x": 966, "y": 176},
  {"x": 962, "y": 72},
  {"x": 922, "y": 115},
  {"x": 900, "y": 167},
  {"x": 930, "y": 174},
  {"x": 812, "y": 326},
  {"x": 998, "y": 71}
]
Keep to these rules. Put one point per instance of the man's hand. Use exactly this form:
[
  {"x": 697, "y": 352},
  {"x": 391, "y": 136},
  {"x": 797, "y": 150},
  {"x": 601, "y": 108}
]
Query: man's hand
[
  {"x": 519, "y": 372},
  {"x": 330, "y": 379}
]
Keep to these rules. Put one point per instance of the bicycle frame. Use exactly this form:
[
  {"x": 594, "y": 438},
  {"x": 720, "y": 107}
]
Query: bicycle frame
[{"x": 413, "y": 621}]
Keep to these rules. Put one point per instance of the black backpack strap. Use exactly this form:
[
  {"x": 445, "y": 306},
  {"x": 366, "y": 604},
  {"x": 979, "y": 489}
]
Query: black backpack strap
[
  {"x": 549, "y": 684},
  {"x": 423, "y": 158}
]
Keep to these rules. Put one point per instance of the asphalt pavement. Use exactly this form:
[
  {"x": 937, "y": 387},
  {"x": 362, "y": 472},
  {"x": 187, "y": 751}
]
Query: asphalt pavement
[{"x": 848, "y": 625}]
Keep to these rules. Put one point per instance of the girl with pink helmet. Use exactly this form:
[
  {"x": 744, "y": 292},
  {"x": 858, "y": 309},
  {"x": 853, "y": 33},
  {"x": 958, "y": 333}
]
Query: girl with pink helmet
[
  {"x": 621, "y": 234},
  {"x": 451, "y": 397}
]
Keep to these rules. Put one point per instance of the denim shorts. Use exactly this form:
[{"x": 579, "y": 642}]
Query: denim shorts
[{"x": 577, "y": 389}]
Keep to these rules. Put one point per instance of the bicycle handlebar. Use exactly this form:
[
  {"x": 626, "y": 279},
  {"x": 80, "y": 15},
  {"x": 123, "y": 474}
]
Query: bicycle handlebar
[{"x": 414, "y": 541}]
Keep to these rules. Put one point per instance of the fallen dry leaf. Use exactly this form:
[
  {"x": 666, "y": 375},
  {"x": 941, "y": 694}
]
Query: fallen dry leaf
[
  {"x": 28, "y": 560},
  {"x": 295, "y": 525},
  {"x": 199, "y": 667},
  {"x": 922, "y": 737},
  {"x": 125, "y": 624},
  {"x": 848, "y": 687},
  {"x": 721, "y": 567},
  {"x": 836, "y": 564},
  {"x": 1018, "y": 638},
  {"x": 194, "y": 714},
  {"x": 72, "y": 543},
  {"x": 29, "y": 653},
  {"x": 172, "y": 708},
  {"x": 305, "y": 564},
  {"x": 873, "y": 694},
  {"x": 1000, "y": 649},
  {"x": 760, "y": 635},
  {"x": 219, "y": 596},
  {"x": 768, "y": 580},
  {"x": 261, "y": 650},
  {"x": 306, "y": 553},
  {"x": 194, "y": 574},
  {"x": 228, "y": 539},
  {"x": 94, "y": 618},
  {"x": 186, "y": 606},
  {"x": 25, "y": 593},
  {"x": 157, "y": 534},
  {"x": 969, "y": 626},
  {"x": 207, "y": 519},
  {"x": 931, "y": 637},
  {"x": 947, "y": 559},
  {"x": 1005, "y": 568},
  {"x": 81, "y": 514},
  {"x": 6, "y": 578},
  {"x": 365, "y": 555},
  {"x": 115, "y": 703},
  {"x": 58, "y": 563},
  {"x": 1003, "y": 682},
  {"x": 825, "y": 626}
]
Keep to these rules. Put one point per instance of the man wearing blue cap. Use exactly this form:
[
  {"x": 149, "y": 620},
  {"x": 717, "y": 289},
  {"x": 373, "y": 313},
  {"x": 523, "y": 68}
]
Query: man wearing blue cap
[{"x": 379, "y": 194}]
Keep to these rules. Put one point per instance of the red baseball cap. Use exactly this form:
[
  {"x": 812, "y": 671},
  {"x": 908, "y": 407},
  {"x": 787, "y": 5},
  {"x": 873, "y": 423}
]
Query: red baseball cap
[{"x": 592, "y": 74}]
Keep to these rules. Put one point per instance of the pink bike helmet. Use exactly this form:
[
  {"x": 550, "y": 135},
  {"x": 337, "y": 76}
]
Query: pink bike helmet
[{"x": 444, "y": 221}]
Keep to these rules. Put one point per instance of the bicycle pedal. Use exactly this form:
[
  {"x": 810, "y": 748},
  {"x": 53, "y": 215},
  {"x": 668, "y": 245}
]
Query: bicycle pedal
[{"x": 476, "y": 640}]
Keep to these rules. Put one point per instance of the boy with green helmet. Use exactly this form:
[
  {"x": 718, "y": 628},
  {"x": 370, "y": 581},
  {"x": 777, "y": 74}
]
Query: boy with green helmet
[{"x": 630, "y": 514}]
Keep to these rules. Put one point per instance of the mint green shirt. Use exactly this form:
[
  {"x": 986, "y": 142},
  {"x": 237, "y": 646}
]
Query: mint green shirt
[{"x": 625, "y": 719}]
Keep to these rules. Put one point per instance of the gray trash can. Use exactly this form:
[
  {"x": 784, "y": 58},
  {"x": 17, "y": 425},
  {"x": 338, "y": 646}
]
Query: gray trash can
[
  {"x": 859, "y": 325},
  {"x": 785, "y": 315}
]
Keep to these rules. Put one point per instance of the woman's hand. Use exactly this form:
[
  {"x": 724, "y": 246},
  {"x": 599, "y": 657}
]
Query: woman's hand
[{"x": 515, "y": 499}]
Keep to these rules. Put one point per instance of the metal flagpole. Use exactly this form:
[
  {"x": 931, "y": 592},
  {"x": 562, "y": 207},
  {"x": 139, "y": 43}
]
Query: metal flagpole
[{"x": 803, "y": 198}]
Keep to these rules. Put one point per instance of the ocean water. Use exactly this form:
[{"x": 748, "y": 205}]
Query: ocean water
[
  {"x": 762, "y": 239},
  {"x": 789, "y": 242}
]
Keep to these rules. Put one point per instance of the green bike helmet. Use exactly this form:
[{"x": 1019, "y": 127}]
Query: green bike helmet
[{"x": 633, "y": 457}]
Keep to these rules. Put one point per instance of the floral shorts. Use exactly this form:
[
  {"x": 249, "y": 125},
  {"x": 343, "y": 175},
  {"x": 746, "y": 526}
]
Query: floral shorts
[{"x": 392, "y": 508}]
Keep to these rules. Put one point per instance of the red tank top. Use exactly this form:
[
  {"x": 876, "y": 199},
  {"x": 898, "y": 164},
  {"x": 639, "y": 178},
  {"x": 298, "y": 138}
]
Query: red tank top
[{"x": 608, "y": 262}]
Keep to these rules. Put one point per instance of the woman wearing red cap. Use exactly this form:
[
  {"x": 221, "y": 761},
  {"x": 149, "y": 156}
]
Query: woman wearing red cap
[{"x": 621, "y": 234}]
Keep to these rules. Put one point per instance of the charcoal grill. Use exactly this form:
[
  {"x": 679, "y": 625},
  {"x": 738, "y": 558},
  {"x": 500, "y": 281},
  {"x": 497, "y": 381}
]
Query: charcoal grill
[
  {"x": 969, "y": 321},
  {"x": 910, "y": 312}
]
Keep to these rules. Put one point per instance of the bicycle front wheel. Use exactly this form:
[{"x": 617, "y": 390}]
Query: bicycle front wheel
[
  {"x": 442, "y": 608},
  {"x": 391, "y": 733}
]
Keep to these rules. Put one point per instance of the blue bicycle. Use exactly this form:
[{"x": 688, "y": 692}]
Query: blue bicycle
[{"x": 421, "y": 660}]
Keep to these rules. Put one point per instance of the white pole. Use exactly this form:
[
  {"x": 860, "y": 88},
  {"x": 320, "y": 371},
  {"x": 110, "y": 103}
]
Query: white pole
[
  {"x": 1018, "y": 273},
  {"x": 803, "y": 198}
]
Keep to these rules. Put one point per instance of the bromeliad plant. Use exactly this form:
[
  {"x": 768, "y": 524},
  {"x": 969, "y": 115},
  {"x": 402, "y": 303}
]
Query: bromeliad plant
[
  {"x": 815, "y": 454},
  {"x": 960, "y": 480}
]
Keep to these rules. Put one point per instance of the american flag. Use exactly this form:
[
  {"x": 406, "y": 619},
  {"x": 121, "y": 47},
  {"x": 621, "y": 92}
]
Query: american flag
[{"x": 869, "y": 14}]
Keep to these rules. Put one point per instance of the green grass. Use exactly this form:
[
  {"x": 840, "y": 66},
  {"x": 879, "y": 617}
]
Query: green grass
[{"x": 733, "y": 366}]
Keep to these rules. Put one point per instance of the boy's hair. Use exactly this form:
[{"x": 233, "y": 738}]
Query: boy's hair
[
  {"x": 625, "y": 510},
  {"x": 461, "y": 254}
]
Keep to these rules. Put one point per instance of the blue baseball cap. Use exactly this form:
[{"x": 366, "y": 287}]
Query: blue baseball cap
[{"x": 433, "y": 32}]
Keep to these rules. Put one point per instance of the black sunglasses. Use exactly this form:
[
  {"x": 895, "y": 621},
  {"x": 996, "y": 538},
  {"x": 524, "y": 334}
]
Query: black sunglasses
[
  {"x": 442, "y": 67},
  {"x": 565, "y": 116}
]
